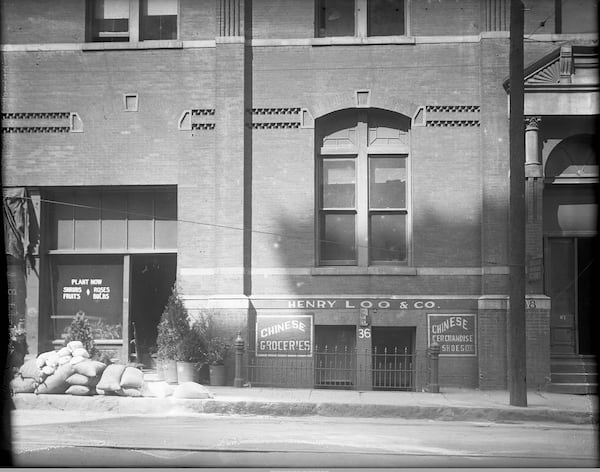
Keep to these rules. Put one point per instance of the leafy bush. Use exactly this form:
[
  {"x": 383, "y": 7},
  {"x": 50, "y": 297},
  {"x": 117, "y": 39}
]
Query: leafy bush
[
  {"x": 191, "y": 347},
  {"x": 172, "y": 328},
  {"x": 215, "y": 347},
  {"x": 81, "y": 330},
  {"x": 103, "y": 330}
]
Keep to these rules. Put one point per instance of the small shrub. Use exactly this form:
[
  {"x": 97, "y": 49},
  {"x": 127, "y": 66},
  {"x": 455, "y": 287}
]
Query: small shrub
[
  {"x": 81, "y": 330},
  {"x": 172, "y": 328}
]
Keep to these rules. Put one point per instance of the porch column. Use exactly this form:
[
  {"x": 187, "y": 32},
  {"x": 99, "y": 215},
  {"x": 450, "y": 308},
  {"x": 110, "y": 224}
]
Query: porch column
[
  {"x": 534, "y": 187},
  {"x": 533, "y": 163}
]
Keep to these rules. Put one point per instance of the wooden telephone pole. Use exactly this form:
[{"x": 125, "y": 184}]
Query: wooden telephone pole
[{"x": 517, "y": 359}]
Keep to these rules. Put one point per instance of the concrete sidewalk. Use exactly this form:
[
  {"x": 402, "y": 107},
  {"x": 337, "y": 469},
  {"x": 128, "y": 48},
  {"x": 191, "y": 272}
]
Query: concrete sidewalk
[{"x": 450, "y": 404}]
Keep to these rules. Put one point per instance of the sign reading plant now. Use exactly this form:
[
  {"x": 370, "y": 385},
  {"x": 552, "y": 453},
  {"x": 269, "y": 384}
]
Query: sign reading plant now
[{"x": 284, "y": 335}]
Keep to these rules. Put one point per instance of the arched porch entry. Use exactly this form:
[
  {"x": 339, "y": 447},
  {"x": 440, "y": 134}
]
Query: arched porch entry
[{"x": 570, "y": 209}]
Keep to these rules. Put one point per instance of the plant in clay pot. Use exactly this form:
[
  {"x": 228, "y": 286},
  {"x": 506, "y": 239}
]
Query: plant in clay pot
[
  {"x": 172, "y": 328},
  {"x": 216, "y": 349}
]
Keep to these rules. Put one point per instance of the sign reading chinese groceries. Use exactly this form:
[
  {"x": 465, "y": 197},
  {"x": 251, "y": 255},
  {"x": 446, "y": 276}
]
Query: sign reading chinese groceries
[
  {"x": 455, "y": 334},
  {"x": 282, "y": 335}
]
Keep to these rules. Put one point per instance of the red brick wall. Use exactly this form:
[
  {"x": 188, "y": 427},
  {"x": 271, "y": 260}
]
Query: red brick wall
[
  {"x": 197, "y": 19},
  {"x": 283, "y": 19},
  {"x": 41, "y": 21},
  {"x": 445, "y": 17},
  {"x": 492, "y": 348},
  {"x": 538, "y": 347}
]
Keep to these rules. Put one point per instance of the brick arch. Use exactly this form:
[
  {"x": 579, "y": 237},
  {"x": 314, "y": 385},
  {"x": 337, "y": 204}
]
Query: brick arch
[{"x": 343, "y": 101}]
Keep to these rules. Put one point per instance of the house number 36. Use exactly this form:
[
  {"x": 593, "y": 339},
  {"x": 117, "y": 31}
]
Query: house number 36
[{"x": 364, "y": 333}]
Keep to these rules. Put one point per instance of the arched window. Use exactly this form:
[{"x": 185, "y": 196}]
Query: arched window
[{"x": 363, "y": 187}]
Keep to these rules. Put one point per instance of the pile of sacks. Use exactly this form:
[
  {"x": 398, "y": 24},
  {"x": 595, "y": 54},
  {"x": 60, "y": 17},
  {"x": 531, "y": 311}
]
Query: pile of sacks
[{"x": 70, "y": 370}]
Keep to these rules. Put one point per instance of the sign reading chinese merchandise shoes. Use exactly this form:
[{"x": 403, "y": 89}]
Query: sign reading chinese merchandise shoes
[
  {"x": 455, "y": 334},
  {"x": 284, "y": 335}
]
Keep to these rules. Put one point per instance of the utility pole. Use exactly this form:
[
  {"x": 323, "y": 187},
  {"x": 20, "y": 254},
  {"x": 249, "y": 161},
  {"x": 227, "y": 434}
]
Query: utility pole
[{"x": 517, "y": 359}]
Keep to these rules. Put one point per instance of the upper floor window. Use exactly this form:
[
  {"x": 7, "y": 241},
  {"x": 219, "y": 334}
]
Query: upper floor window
[
  {"x": 363, "y": 194},
  {"x": 361, "y": 18},
  {"x": 132, "y": 20}
]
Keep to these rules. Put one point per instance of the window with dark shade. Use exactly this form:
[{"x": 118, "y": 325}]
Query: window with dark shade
[
  {"x": 159, "y": 19},
  {"x": 360, "y": 18},
  {"x": 385, "y": 17}
]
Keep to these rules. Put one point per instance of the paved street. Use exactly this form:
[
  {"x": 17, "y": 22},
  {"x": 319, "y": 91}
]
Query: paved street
[{"x": 54, "y": 439}]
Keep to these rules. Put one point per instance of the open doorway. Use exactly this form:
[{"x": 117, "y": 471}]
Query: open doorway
[
  {"x": 393, "y": 358},
  {"x": 152, "y": 278}
]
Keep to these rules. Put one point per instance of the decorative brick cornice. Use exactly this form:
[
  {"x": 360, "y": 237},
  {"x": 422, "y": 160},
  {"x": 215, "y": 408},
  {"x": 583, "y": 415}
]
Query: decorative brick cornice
[
  {"x": 276, "y": 118},
  {"x": 41, "y": 122},
  {"x": 453, "y": 116}
]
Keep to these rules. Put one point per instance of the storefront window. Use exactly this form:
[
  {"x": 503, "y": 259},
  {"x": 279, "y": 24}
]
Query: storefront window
[{"x": 93, "y": 285}]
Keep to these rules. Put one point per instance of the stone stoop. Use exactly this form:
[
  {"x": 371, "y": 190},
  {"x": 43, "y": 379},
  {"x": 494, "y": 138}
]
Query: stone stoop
[{"x": 574, "y": 374}]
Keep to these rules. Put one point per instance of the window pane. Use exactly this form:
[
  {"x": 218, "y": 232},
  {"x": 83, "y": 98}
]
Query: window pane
[
  {"x": 337, "y": 238},
  {"x": 159, "y": 19},
  {"x": 140, "y": 225},
  {"x": 87, "y": 221},
  {"x": 91, "y": 284},
  {"x": 387, "y": 182},
  {"x": 336, "y": 18},
  {"x": 339, "y": 183},
  {"x": 388, "y": 238},
  {"x": 64, "y": 214},
  {"x": 114, "y": 222},
  {"x": 111, "y": 20},
  {"x": 385, "y": 17},
  {"x": 166, "y": 220}
]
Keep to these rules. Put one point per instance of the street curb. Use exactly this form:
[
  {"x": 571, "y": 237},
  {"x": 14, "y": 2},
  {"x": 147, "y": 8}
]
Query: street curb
[{"x": 170, "y": 405}]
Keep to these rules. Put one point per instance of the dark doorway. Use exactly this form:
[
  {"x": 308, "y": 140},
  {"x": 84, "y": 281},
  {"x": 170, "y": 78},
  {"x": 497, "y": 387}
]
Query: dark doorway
[
  {"x": 335, "y": 356},
  {"x": 393, "y": 358},
  {"x": 570, "y": 285},
  {"x": 152, "y": 279}
]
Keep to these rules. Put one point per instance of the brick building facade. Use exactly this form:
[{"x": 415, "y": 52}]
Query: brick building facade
[{"x": 345, "y": 160}]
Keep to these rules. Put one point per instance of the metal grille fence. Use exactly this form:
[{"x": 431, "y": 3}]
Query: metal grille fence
[{"x": 335, "y": 367}]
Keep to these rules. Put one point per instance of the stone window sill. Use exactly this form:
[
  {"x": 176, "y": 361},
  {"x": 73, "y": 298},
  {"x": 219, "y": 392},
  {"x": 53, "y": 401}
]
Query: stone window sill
[{"x": 372, "y": 270}]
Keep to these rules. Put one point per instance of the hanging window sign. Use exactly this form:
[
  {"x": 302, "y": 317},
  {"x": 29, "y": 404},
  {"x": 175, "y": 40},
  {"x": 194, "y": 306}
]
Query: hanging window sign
[
  {"x": 284, "y": 335},
  {"x": 455, "y": 334}
]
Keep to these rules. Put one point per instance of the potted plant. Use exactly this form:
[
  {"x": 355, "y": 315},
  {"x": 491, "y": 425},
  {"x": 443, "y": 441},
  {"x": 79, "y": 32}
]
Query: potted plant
[
  {"x": 171, "y": 329},
  {"x": 190, "y": 352},
  {"x": 216, "y": 349}
]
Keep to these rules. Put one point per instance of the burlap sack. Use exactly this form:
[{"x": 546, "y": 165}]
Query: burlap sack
[
  {"x": 81, "y": 352},
  {"x": 57, "y": 382},
  {"x": 132, "y": 378},
  {"x": 89, "y": 368},
  {"x": 79, "y": 390},
  {"x": 78, "y": 379},
  {"x": 30, "y": 370},
  {"x": 22, "y": 385},
  {"x": 41, "y": 359},
  {"x": 111, "y": 378},
  {"x": 65, "y": 351},
  {"x": 74, "y": 345}
]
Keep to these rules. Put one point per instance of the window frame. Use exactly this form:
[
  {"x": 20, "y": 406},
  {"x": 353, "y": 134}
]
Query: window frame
[
  {"x": 135, "y": 32},
  {"x": 361, "y": 21},
  {"x": 362, "y": 206}
]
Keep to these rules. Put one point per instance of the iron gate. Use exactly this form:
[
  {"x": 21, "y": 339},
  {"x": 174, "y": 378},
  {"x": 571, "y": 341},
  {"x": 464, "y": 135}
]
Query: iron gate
[{"x": 333, "y": 367}]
